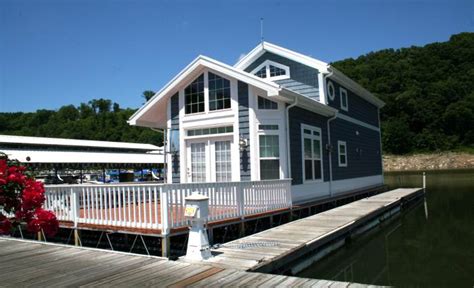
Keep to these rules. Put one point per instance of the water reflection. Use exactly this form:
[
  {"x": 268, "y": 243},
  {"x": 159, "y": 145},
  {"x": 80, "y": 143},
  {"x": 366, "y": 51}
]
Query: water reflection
[{"x": 410, "y": 250}]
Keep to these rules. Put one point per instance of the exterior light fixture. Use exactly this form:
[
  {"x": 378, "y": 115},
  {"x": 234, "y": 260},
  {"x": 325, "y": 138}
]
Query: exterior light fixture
[{"x": 243, "y": 143}]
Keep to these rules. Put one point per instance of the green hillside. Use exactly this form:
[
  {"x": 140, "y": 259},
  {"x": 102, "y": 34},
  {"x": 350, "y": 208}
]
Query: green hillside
[
  {"x": 99, "y": 119},
  {"x": 429, "y": 93}
]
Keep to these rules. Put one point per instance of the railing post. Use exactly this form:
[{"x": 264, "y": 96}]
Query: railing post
[
  {"x": 165, "y": 225},
  {"x": 240, "y": 199},
  {"x": 75, "y": 206}
]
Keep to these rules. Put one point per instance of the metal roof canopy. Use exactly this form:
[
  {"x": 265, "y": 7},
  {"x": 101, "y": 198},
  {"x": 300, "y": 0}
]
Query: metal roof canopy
[{"x": 150, "y": 155}]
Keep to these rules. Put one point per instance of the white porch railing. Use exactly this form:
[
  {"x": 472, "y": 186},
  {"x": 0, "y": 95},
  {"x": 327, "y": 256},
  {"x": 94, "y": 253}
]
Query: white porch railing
[{"x": 140, "y": 205}]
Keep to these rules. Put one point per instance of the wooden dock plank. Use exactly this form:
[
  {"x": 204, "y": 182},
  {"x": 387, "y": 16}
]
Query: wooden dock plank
[
  {"x": 309, "y": 232},
  {"x": 62, "y": 266}
]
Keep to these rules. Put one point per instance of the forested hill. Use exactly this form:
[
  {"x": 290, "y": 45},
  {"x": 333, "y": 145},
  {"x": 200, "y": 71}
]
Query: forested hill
[
  {"x": 428, "y": 91},
  {"x": 99, "y": 119}
]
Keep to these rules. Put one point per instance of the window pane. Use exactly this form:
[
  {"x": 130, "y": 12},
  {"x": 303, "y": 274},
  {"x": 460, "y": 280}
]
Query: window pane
[
  {"x": 317, "y": 149},
  {"x": 308, "y": 169},
  {"x": 342, "y": 149},
  {"x": 307, "y": 148},
  {"x": 219, "y": 92},
  {"x": 269, "y": 146},
  {"x": 194, "y": 96},
  {"x": 223, "y": 161},
  {"x": 269, "y": 169},
  {"x": 262, "y": 73},
  {"x": 198, "y": 162},
  {"x": 342, "y": 159},
  {"x": 317, "y": 169},
  {"x": 265, "y": 104},
  {"x": 275, "y": 71}
]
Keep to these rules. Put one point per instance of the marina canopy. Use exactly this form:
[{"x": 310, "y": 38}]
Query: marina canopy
[{"x": 41, "y": 151}]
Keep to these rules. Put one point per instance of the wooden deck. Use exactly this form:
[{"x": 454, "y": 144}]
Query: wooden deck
[
  {"x": 29, "y": 263},
  {"x": 278, "y": 248}
]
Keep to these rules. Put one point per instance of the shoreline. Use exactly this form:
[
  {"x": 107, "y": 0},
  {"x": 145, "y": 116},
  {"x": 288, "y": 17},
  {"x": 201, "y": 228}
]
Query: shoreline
[{"x": 428, "y": 162}]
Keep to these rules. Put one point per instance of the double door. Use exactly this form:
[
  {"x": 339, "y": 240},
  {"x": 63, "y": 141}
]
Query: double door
[{"x": 209, "y": 160}]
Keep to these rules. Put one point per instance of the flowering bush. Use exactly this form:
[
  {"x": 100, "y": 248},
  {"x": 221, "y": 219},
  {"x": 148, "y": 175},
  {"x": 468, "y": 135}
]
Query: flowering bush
[{"x": 21, "y": 200}]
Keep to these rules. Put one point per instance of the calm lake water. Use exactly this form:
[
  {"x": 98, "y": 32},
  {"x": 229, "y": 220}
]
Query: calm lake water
[{"x": 430, "y": 244}]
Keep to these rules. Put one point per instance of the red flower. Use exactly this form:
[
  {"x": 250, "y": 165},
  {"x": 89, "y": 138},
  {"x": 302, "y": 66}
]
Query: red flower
[
  {"x": 23, "y": 197},
  {"x": 43, "y": 220}
]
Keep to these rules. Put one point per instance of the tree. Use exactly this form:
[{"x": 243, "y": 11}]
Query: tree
[{"x": 148, "y": 94}]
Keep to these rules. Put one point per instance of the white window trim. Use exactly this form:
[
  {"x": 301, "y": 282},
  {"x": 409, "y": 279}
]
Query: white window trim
[
  {"x": 339, "y": 144},
  {"x": 269, "y": 132},
  {"x": 267, "y": 64},
  {"x": 312, "y": 137},
  {"x": 333, "y": 95},
  {"x": 342, "y": 92}
]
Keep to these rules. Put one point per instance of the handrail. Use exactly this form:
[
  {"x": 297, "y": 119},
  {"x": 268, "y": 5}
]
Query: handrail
[{"x": 161, "y": 206}]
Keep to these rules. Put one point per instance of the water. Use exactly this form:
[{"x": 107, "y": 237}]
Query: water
[{"x": 430, "y": 244}]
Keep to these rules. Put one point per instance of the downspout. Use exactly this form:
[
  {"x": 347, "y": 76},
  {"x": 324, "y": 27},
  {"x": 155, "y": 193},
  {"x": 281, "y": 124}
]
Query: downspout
[
  {"x": 329, "y": 128},
  {"x": 330, "y": 152},
  {"x": 288, "y": 153}
]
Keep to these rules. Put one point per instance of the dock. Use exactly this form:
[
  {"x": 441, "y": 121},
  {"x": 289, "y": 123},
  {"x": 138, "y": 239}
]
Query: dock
[
  {"x": 30, "y": 263},
  {"x": 281, "y": 249}
]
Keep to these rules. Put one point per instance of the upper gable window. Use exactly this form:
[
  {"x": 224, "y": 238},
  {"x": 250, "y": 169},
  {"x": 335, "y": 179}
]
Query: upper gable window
[
  {"x": 262, "y": 73},
  {"x": 272, "y": 70},
  {"x": 343, "y": 98},
  {"x": 265, "y": 104},
  {"x": 194, "y": 96},
  {"x": 219, "y": 92}
]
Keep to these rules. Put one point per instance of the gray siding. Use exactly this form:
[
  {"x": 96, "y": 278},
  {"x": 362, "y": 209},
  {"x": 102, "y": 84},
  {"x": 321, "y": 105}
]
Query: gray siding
[
  {"x": 243, "y": 99},
  {"x": 363, "y": 150},
  {"x": 359, "y": 108},
  {"x": 297, "y": 117},
  {"x": 304, "y": 79},
  {"x": 175, "y": 169}
]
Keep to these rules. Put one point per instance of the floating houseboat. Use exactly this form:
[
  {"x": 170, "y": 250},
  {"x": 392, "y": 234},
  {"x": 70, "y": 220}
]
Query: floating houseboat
[{"x": 275, "y": 114}]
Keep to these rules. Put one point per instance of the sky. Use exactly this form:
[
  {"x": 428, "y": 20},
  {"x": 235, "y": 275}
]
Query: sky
[{"x": 55, "y": 53}]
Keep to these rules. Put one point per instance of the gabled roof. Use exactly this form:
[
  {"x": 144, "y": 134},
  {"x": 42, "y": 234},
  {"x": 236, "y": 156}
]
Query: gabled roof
[
  {"x": 197, "y": 64},
  {"x": 321, "y": 66},
  {"x": 275, "y": 49}
]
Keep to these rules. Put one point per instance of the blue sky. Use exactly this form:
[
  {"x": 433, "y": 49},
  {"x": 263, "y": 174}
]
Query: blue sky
[{"x": 54, "y": 53}]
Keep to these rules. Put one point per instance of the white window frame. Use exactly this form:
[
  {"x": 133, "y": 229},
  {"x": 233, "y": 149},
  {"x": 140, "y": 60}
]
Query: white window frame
[
  {"x": 274, "y": 133},
  {"x": 312, "y": 137},
  {"x": 339, "y": 144},
  {"x": 267, "y": 64},
  {"x": 343, "y": 93},
  {"x": 333, "y": 95}
]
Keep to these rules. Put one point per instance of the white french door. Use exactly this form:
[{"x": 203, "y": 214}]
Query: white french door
[{"x": 209, "y": 160}]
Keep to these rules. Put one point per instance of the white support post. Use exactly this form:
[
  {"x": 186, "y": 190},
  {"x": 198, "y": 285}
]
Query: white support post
[
  {"x": 165, "y": 225},
  {"x": 75, "y": 206},
  {"x": 240, "y": 200}
]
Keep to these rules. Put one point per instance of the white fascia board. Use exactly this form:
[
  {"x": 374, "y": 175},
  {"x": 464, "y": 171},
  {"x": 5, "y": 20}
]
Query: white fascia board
[
  {"x": 341, "y": 78},
  {"x": 309, "y": 104},
  {"x": 203, "y": 61},
  {"x": 275, "y": 49},
  {"x": 160, "y": 94}
]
